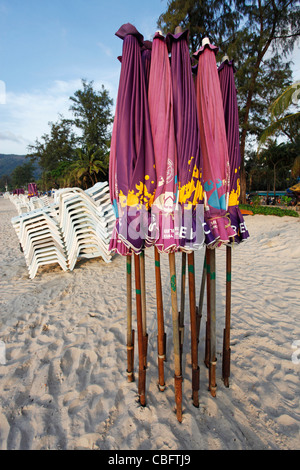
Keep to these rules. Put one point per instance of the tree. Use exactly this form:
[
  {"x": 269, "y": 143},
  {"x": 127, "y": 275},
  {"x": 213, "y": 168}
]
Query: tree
[
  {"x": 88, "y": 164},
  {"x": 54, "y": 148},
  {"x": 271, "y": 168},
  {"x": 5, "y": 182},
  {"x": 92, "y": 115},
  {"x": 284, "y": 121},
  {"x": 271, "y": 28},
  {"x": 216, "y": 19},
  {"x": 22, "y": 175},
  {"x": 257, "y": 35}
]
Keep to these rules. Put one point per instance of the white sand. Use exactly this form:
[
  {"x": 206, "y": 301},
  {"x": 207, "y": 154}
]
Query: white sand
[{"x": 64, "y": 384}]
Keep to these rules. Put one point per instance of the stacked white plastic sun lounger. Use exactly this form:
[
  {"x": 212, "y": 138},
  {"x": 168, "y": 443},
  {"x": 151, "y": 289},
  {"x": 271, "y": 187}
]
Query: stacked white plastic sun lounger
[
  {"x": 41, "y": 239},
  {"x": 83, "y": 223},
  {"x": 24, "y": 204},
  {"x": 78, "y": 225}
]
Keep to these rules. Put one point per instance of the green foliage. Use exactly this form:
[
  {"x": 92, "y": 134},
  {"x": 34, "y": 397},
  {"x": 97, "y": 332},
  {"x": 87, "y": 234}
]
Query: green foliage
[
  {"x": 85, "y": 168},
  {"x": 54, "y": 148},
  {"x": 22, "y": 175},
  {"x": 283, "y": 121},
  {"x": 288, "y": 97},
  {"x": 215, "y": 19},
  {"x": 258, "y": 35},
  {"x": 285, "y": 200},
  {"x": 5, "y": 182},
  {"x": 269, "y": 210},
  {"x": 92, "y": 115},
  {"x": 256, "y": 201},
  {"x": 274, "y": 168}
]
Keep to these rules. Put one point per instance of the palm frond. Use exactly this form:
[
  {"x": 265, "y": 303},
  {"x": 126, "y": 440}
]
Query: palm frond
[
  {"x": 288, "y": 97},
  {"x": 276, "y": 126}
]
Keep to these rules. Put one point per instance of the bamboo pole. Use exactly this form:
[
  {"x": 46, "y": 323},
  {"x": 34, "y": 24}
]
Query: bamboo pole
[
  {"x": 201, "y": 297},
  {"x": 226, "y": 338},
  {"x": 142, "y": 368},
  {"x": 130, "y": 331},
  {"x": 182, "y": 303},
  {"x": 194, "y": 332},
  {"x": 213, "y": 357},
  {"x": 143, "y": 295},
  {"x": 176, "y": 339},
  {"x": 208, "y": 302},
  {"x": 161, "y": 336}
]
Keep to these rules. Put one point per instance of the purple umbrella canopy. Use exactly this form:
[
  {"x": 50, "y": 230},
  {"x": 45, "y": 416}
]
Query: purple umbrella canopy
[
  {"x": 132, "y": 176},
  {"x": 229, "y": 94},
  {"x": 160, "y": 99},
  {"x": 146, "y": 60},
  {"x": 189, "y": 169},
  {"x": 216, "y": 174}
]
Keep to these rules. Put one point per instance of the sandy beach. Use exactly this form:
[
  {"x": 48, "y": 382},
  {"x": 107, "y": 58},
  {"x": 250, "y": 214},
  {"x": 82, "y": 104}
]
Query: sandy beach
[{"x": 63, "y": 383}]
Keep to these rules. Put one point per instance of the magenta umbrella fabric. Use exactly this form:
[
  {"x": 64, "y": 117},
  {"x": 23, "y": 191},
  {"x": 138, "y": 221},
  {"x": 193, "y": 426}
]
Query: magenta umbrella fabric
[
  {"x": 146, "y": 60},
  {"x": 132, "y": 176},
  {"x": 229, "y": 94},
  {"x": 116, "y": 244},
  {"x": 32, "y": 190},
  {"x": 216, "y": 174},
  {"x": 160, "y": 98},
  {"x": 189, "y": 159}
]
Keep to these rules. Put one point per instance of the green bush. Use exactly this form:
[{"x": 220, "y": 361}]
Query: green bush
[{"x": 269, "y": 210}]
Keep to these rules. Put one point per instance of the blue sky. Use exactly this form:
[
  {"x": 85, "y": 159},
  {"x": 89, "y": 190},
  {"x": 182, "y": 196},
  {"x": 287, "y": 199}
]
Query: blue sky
[{"x": 48, "y": 46}]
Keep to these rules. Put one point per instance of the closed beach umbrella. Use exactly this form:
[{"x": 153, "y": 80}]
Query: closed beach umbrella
[
  {"x": 160, "y": 100},
  {"x": 189, "y": 182},
  {"x": 116, "y": 245},
  {"x": 213, "y": 145},
  {"x": 132, "y": 177},
  {"x": 215, "y": 178},
  {"x": 186, "y": 133},
  {"x": 164, "y": 207},
  {"x": 228, "y": 90},
  {"x": 229, "y": 95},
  {"x": 32, "y": 190}
]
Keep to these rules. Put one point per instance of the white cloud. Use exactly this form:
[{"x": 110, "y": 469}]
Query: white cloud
[
  {"x": 7, "y": 135},
  {"x": 25, "y": 116},
  {"x": 107, "y": 50}
]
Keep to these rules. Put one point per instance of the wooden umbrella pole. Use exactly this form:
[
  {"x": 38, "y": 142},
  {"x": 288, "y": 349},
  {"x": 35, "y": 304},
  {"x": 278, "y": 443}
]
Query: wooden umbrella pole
[
  {"x": 176, "y": 339},
  {"x": 208, "y": 302},
  {"x": 226, "y": 338},
  {"x": 182, "y": 303},
  {"x": 142, "y": 368},
  {"x": 161, "y": 336},
  {"x": 130, "y": 331},
  {"x": 213, "y": 357},
  {"x": 194, "y": 337},
  {"x": 201, "y": 297},
  {"x": 143, "y": 294}
]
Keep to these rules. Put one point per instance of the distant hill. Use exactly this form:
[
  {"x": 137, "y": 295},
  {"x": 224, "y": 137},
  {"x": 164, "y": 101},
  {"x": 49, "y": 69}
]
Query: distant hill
[{"x": 9, "y": 162}]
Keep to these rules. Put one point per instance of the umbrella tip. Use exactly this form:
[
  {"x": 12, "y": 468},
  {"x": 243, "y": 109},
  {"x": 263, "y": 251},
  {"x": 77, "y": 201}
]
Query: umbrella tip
[
  {"x": 178, "y": 29},
  {"x": 205, "y": 41},
  {"x": 159, "y": 32},
  {"x": 225, "y": 58}
]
